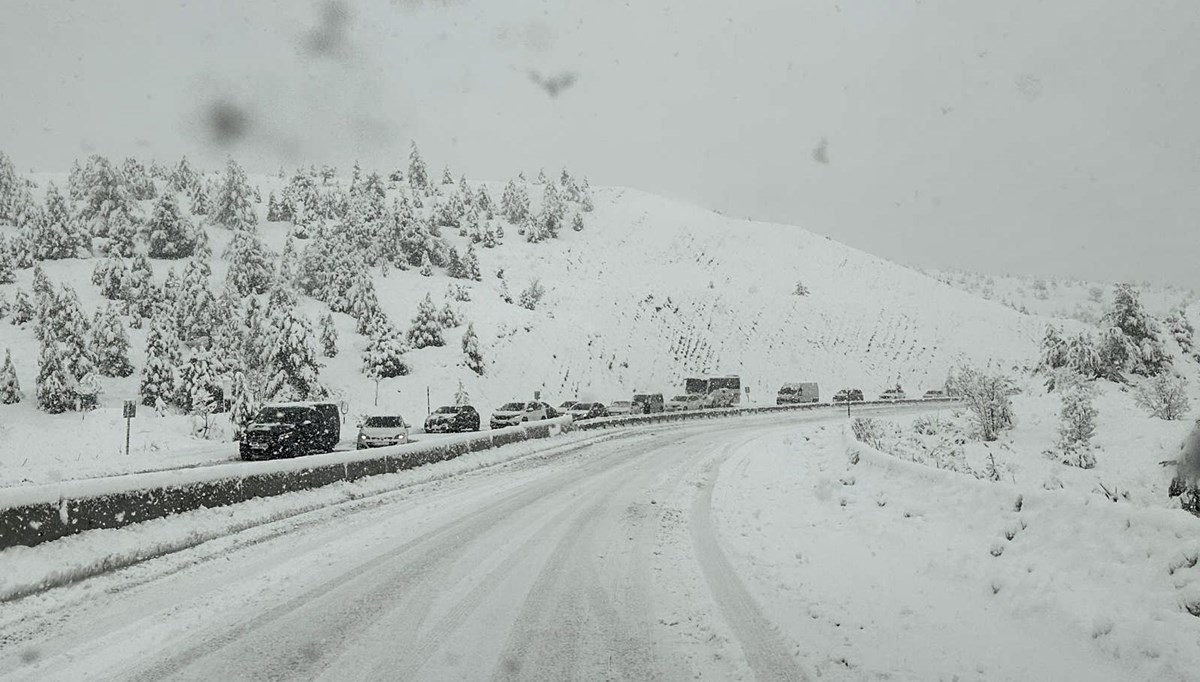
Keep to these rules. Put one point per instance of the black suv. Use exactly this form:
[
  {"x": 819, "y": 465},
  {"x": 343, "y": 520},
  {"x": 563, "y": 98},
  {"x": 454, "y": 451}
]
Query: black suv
[
  {"x": 452, "y": 419},
  {"x": 292, "y": 429}
]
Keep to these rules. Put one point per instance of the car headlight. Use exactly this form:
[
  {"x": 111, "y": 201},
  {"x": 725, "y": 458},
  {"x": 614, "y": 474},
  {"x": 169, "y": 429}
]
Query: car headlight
[
  {"x": 285, "y": 435},
  {"x": 362, "y": 436}
]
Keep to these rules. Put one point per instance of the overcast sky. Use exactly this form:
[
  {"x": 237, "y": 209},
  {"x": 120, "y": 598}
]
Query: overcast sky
[{"x": 1034, "y": 136}]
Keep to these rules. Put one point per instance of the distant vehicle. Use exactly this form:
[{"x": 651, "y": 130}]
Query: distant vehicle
[
  {"x": 583, "y": 410},
  {"x": 566, "y": 405},
  {"x": 647, "y": 403},
  {"x": 683, "y": 403},
  {"x": 892, "y": 394},
  {"x": 723, "y": 391},
  {"x": 851, "y": 395},
  {"x": 380, "y": 430},
  {"x": 804, "y": 392},
  {"x": 619, "y": 407},
  {"x": 934, "y": 393},
  {"x": 452, "y": 419},
  {"x": 291, "y": 429},
  {"x": 511, "y": 414},
  {"x": 551, "y": 411}
]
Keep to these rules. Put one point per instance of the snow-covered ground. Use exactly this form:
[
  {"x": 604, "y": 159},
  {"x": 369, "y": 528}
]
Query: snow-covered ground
[
  {"x": 718, "y": 550},
  {"x": 650, "y": 292}
]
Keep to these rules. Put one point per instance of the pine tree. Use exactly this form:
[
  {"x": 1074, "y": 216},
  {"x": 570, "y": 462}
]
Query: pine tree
[
  {"x": 163, "y": 356},
  {"x": 56, "y": 234},
  {"x": 425, "y": 330},
  {"x": 455, "y": 269},
  {"x": 471, "y": 265},
  {"x": 514, "y": 203},
  {"x": 426, "y": 266},
  {"x": 461, "y": 397},
  {"x": 1147, "y": 356},
  {"x": 171, "y": 233},
  {"x": 329, "y": 336},
  {"x": 233, "y": 205},
  {"x": 244, "y": 405},
  {"x": 483, "y": 202},
  {"x": 55, "y": 386},
  {"x": 577, "y": 223},
  {"x": 532, "y": 295},
  {"x": 289, "y": 358},
  {"x": 489, "y": 238},
  {"x": 7, "y": 273},
  {"x": 250, "y": 270},
  {"x": 106, "y": 195},
  {"x": 10, "y": 386},
  {"x": 448, "y": 318},
  {"x": 197, "y": 380},
  {"x": 417, "y": 178},
  {"x": 184, "y": 178},
  {"x": 447, "y": 178},
  {"x": 541, "y": 177},
  {"x": 364, "y": 304},
  {"x": 142, "y": 295},
  {"x": 200, "y": 204},
  {"x": 110, "y": 343},
  {"x": 470, "y": 348},
  {"x": 122, "y": 236},
  {"x": 22, "y": 311},
  {"x": 384, "y": 355},
  {"x": 197, "y": 312},
  {"x": 554, "y": 210}
]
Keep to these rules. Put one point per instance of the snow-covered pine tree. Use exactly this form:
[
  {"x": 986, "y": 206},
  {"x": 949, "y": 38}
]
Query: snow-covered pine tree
[
  {"x": 461, "y": 397},
  {"x": 426, "y": 265},
  {"x": 455, "y": 269},
  {"x": 554, "y": 209},
  {"x": 200, "y": 203},
  {"x": 122, "y": 236},
  {"x": 22, "y": 310},
  {"x": 448, "y": 317},
  {"x": 514, "y": 203},
  {"x": 384, "y": 355},
  {"x": 184, "y": 177},
  {"x": 470, "y": 348},
  {"x": 160, "y": 384},
  {"x": 1078, "y": 424},
  {"x": 55, "y": 385},
  {"x": 233, "y": 205},
  {"x": 8, "y": 274},
  {"x": 198, "y": 378},
  {"x": 541, "y": 177},
  {"x": 585, "y": 197},
  {"x": 10, "y": 386},
  {"x": 577, "y": 222},
  {"x": 532, "y": 295},
  {"x": 106, "y": 195},
  {"x": 250, "y": 270},
  {"x": 244, "y": 405},
  {"x": 470, "y": 265},
  {"x": 171, "y": 234},
  {"x": 426, "y": 331},
  {"x": 143, "y": 297},
  {"x": 55, "y": 232},
  {"x": 329, "y": 336},
  {"x": 483, "y": 202},
  {"x": 1127, "y": 315},
  {"x": 504, "y": 294},
  {"x": 447, "y": 178},
  {"x": 290, "y": 359},
  {"x": 364, "y": 304},
  {"x": 110, "y": 343},
  {"x": 1178, "y": 326},
  {"x": 417, "y": 175}
]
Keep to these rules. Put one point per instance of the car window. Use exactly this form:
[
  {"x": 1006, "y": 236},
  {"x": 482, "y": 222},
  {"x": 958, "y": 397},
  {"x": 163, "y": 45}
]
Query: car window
[{"x": 384, "y": 422}]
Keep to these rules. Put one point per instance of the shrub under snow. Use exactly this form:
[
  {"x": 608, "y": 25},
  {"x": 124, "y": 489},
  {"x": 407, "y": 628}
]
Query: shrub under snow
[
  {"x": 986, "y": 395},
  {"x": 1163, "y": 396}
]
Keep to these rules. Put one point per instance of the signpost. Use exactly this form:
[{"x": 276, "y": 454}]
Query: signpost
[
  {"x": 747, "y": 388},
  {"x": 130, "y": 412}
]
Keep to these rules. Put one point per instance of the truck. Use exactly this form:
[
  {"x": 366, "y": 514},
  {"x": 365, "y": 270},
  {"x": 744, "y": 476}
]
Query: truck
[
  {"x": 724, "y": 391},
  {"x": 798, "y": 392}
]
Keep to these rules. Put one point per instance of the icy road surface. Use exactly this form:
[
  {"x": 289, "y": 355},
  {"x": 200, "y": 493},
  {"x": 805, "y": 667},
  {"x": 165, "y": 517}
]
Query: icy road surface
[{"x": 666, "y": 553}]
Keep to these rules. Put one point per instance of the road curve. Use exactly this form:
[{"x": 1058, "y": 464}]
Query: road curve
[{"x": 574, "y": 567}]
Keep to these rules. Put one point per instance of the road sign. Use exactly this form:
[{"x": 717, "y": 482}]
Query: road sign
[{"x": 130, "y": 409}]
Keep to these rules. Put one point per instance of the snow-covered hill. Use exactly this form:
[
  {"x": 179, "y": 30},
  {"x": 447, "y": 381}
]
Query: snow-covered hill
[{"x": 651, "y": 291}]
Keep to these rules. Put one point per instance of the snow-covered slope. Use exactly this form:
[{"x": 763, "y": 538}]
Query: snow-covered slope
[{"x": 650, "y": 292}]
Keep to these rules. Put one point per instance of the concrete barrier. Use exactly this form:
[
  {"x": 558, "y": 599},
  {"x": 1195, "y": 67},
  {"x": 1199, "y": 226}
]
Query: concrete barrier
[
  {"x": 31, "y": 516},
  {"x": 664, "y": 417}
]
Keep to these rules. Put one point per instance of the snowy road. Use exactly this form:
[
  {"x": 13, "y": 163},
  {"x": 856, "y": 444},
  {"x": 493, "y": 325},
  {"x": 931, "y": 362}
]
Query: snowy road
[{"x": 609, "y": 561}]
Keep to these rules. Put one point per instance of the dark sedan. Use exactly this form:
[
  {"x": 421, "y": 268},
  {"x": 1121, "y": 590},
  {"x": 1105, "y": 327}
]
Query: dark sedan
[{"x": 452, "y": 419}]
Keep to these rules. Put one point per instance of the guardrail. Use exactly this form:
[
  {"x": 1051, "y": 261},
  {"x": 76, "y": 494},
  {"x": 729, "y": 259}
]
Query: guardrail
[
  {"x": 36, "y": 514},
  {"x": 660, "y": 417}
]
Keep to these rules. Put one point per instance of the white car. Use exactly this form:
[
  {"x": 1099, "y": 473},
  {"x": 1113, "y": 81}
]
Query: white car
[
  {"x": 620, "y": 407},
  {"x": 511, "y": 414},
  {"x": 584, "y": 410},
  {"x": 381, "y": 430},
  {"x": 683, "y": 403}
]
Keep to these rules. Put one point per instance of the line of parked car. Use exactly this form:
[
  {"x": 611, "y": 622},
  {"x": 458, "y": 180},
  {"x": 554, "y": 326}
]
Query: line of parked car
[{"x": 292, "y": 429}]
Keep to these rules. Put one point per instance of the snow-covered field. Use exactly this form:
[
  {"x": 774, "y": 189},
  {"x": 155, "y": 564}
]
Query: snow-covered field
[{"x": 724, "y": 550}]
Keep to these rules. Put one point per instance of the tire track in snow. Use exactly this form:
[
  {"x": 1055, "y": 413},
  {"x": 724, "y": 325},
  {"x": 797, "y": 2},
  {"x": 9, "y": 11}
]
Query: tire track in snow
[{"x": 765, "y": 651}]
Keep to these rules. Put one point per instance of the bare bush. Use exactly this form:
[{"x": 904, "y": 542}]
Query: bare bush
[
  {"x": 1163, "y": 396},
  {"x": 868, "y": 431},
  {"x": 986, "y": 395}
]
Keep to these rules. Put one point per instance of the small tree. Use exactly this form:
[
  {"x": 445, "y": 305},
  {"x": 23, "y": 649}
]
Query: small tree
[
  {"x": 1163, "y": 396},
  {"x": 471, "y": 265},
  {"x": 250, "y": 269},
  {"x": 461, "y": 397},
  {"x": 800, "y": 289},
  {"x": 448, "y": 317},
  {"x": 163, "y": 356},
  {"x": 577, "y": 222},
  {"x": 110, "y": 343},
  {"x": 417, "y": 175},
  {"x": 1078, "y": 420},
  {"x": 244, "y": 404},
  {"x": 171, "y": 233},
  {"x": 426, "y": 266},
  {"x": 329, "y": 336},
  {"x": 532, "y": 295},
  {"x": 289, "y": 359},
  {"x": 426, "y": 330},
  {"x": 986, "y": 395},
  {"x": 10, "y": 386},
  {"x": 384, "y": 355},
  {"x": 470, "y": 348},
  {"x": 55, "y": 385}
]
